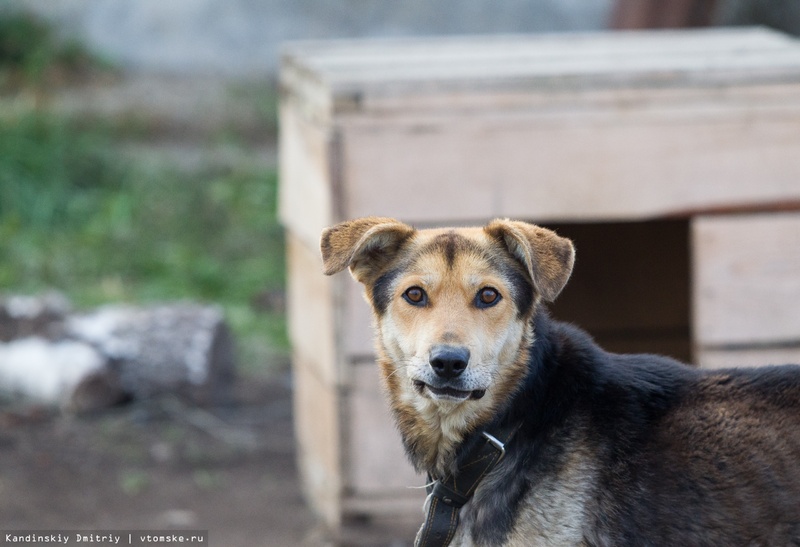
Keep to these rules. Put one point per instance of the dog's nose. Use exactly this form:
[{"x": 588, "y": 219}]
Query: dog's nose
[{"x": 449, "y": 361}]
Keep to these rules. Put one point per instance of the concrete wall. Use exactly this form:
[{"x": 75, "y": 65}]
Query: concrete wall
[{"x": 242, "y": 37}]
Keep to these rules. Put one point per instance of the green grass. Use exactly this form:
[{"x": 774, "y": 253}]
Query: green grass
[{"x": 78, "y": 217}]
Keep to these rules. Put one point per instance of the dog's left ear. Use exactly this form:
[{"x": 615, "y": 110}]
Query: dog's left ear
[
  {"x": 365, "y": 245},
  {"x": 547, "y": 257}
]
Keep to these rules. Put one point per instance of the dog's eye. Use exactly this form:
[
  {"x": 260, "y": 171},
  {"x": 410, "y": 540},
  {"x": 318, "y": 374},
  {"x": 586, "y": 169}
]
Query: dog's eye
[
  {"x": 487, "y": 297},
  {"x": 416, "y": 296}
]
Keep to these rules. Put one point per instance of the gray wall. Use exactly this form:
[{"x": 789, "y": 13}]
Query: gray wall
[{"x": 242, "y": 37}]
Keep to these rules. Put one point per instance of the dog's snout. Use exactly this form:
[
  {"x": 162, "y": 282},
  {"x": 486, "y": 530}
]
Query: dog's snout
[{"x": 449, "y": 361}]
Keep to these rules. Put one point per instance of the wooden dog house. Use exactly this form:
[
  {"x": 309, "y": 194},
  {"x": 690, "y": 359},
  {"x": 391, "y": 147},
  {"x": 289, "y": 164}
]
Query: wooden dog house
[{"x": 672, "y": 158}]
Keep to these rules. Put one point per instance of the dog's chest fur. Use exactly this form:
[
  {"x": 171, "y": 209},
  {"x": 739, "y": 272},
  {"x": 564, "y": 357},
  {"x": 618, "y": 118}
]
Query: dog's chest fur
[{"x": 555, "y": 510}]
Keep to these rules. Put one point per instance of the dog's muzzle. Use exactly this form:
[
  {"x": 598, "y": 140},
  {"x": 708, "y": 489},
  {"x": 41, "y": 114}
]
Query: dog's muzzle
[{"x": 448, "y": 363}]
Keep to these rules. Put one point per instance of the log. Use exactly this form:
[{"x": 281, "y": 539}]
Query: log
[
  {"x": 91, "y": 361},
  {"x": 47, "y": 372},
  {"x": 179, "y": 348},
  {"x": 22, "y": 316}
]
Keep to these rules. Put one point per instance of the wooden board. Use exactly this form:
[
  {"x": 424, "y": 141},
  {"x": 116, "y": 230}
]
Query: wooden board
[
  {"x": 619, "y": 164},
  {"x": 746, "y": 280},
  {"x": 356, "y": 75},
  {"x": 359, "y": 341},
  {"x": 317, "y": 428},
  {"x": 306, "y": 192},
  {"x": 377, "y": 466},
  {"x": 752, "y": 357},
  {"x": 313, "y": 314}
]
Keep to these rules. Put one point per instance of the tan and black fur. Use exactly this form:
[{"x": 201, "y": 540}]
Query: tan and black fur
[{"x": 609, "y": 449}]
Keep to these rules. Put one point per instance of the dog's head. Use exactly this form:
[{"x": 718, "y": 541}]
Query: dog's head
[{"x": 452, "y": 306}]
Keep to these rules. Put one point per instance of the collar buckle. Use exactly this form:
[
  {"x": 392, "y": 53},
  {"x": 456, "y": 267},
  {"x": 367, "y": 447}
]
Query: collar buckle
[{"x": 494, "y": 441}]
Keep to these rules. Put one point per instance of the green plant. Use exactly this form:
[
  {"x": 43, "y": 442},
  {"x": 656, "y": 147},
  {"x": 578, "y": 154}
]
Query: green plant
[{"x": 77, "y": 216}]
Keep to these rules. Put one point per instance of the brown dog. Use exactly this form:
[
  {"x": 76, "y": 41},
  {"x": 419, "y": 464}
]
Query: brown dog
[{"x": 532, "y": 434}]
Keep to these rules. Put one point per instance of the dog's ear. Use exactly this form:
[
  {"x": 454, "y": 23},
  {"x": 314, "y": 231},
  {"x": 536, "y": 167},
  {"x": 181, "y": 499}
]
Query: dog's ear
[
  {"x": 547, "y": 257},
  {"x": 365, "y": 245}
]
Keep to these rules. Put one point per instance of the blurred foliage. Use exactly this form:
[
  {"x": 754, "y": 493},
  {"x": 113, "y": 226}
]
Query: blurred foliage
[
  {"x": 31, "y": 54},
  {"x": 77, "y": 216}
]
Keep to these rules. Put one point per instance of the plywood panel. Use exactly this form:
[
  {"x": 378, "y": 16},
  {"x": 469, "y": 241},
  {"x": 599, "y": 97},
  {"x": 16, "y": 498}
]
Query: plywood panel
[{"x": 746, "y": 279}]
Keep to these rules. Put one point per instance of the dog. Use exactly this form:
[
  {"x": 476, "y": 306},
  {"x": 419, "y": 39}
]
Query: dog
[{"x": 532, "y": 434}]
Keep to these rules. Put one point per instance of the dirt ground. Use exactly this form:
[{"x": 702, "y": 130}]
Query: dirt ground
[{"x": 163, "y": 465}]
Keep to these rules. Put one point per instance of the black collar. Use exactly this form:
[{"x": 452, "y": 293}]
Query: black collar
[{"x": 449, "y": 494}]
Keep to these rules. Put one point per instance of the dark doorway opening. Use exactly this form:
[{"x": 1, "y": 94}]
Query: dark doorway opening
[{"x": 630, "y": 287}]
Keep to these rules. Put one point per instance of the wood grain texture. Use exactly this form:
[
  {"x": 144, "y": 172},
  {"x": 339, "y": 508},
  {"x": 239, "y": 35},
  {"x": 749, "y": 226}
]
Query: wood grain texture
[
  {"x": 617, "y": 165},
  {"x": 317, "y": 420},
  {"x": 377, "y": 464},
  {"x": 747, "y": 357},
  {"x": 746, "y": 280},
  {"x": 312, "y": 311},
  {"x": 305, "y": 196},
  {"x": 371, "y": 68}
]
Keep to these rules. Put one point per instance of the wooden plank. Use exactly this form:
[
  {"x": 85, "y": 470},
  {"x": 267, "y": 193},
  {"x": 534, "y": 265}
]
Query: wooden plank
[
  {"x": 358, "y": 342},
  {"x": 305, "y": 197},
  {"x": 312, "y": 311},
  {"x": 332, "y": 54},
  {"x": 623, "y": 165},
  {"x": 318, "y": 432},
  {"x": 487, "y": 57},
  {"x": 752, "y": 357},
  {"x": 422, "y": 105},
  {"x": 746, "y": 279},
  {"x": 334, "y": 77},
  {"x": 352, "y": 73},
  {"x": 376, "y": 461}
]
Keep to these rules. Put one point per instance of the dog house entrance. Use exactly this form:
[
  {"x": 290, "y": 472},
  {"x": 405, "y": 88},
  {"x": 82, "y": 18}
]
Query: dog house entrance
[{"x": 631, "y": 286}]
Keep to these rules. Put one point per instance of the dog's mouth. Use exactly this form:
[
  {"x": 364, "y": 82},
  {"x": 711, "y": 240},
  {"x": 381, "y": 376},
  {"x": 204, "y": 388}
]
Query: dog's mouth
[{"x": 449, "y": 392}]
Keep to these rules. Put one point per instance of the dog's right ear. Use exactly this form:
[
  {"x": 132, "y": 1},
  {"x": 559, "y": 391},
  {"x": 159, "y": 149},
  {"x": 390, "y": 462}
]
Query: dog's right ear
[{"x": 365, "y": 245}]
